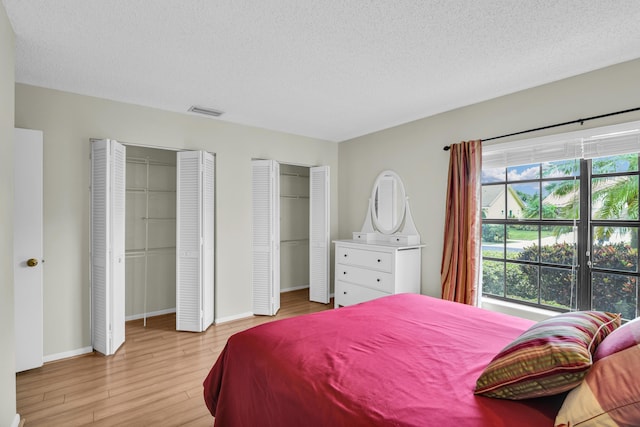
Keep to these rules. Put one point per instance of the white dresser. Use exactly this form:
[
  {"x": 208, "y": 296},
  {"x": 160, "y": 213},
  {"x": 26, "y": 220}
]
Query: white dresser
[{"x": 365, "y": 271}]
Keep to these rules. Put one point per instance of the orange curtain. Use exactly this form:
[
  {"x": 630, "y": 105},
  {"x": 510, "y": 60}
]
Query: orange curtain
[{"x": 459, "y": 273}]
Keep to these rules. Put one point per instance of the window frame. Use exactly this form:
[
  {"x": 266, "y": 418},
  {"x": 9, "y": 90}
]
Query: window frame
[{"x": 583, "y": 145}]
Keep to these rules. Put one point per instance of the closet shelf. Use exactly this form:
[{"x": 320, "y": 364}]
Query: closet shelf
[
  {"x": 298, "y": 175},
  {"x": 144, "y": 190},
  {"x": 133, "y": 253},
  {"x": 140, "y": 161},
  {"x": 157, "y": 219},
  {"x": 293, "y": 241},
  {"x": 291, "y": 196}
]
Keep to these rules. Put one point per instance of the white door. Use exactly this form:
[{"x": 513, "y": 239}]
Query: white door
[
  {"x": 107, "y": 245},
  {"x": 195, "y": 241},
  {"x": 208, "y": 239},
  {"x": 28, "y": 248},
  {"x": 266, "y": 236},
  {"x": 319, "y": 234}
]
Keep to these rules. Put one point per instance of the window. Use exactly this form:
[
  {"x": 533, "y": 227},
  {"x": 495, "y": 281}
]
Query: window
[{"x": 561, "y": 232}]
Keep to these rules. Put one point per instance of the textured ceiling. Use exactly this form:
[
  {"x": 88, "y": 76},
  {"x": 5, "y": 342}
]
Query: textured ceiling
[{"x": 331, "y": 69}]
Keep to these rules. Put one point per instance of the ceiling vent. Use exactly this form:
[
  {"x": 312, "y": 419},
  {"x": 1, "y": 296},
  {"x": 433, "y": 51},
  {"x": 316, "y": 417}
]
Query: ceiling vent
[{"x": 206, "y": 111}]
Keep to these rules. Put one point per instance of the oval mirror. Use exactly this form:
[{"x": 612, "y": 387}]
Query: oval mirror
[{"x": 388, "y": 202}]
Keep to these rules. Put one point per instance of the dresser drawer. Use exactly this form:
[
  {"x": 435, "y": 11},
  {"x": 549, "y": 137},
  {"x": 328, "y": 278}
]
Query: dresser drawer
[
  {"x": 378, "y": 280},
  {"x": 349, "y": 294},
  {"x": 364, "y": 258}
]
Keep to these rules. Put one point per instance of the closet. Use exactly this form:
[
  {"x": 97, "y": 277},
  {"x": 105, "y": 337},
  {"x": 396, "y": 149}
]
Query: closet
[
  {"x": 150, "y": 232},
  {"x": 290, "y": 217},
  {"x": 152, "y": 238},
  {"x": 294, "y": 227}
]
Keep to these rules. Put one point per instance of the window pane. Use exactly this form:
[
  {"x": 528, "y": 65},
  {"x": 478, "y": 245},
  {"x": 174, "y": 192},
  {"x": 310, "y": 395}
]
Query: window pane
[
  {"x": 522, "y": 282},
  {"x": 523, "y": 201},
  {"x": 612, "y": 164},
  {"x": 557, "y": 287},
  {"x": 493, "y": 175},
  {"x": 614, "y": 197},
  {"x": 558, "y": 245},
  {"x": 522, "y": 242},
  {"x": 615, "y": 293},
  {"x": 493, "y": 278},
  {"x": 615, "y": 248},
  {"x": 523, "y": 173},
  {"x": 561, "y": 199},
  {"x": 493, "y": 202},
  {"x": 561, "y": 168},
  {"x": 493, "y": 240}
]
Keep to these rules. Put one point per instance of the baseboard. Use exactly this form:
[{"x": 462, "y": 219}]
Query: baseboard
[
  {"x": 295, "y": 288},
  {"x": 150, "y": 314},
  {"x": 67, "y": 354},
  {"x": 234, "y": 317},
  {"x": 16, "y": 421}
]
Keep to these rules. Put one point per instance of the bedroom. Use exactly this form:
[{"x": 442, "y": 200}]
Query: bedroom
[{"x": 69, "y": 120}]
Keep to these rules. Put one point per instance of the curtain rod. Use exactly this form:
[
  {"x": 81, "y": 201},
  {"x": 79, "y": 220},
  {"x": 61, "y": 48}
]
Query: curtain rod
[{"x": 581, "y": 121}]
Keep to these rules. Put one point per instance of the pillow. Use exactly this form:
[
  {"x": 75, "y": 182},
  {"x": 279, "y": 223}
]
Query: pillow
[
  {"x": 609, "y": 394},
  {"x": 624, "y": 337},
  {"x": 550, "y": 357}
]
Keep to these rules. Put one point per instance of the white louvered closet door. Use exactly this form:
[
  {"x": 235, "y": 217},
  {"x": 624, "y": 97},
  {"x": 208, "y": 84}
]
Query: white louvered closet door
[
  {"x": 275, "y": 267},
  {"x": 194, "y": 241},
  {"x": 208, "y": 237},
  {"x": 266, "y": 237},
  {"x": 319, "y": 234},
  {"x": 107, "y": 245}
]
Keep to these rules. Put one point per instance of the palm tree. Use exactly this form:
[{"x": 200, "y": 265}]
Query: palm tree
[{"x": 614, "y": 197}]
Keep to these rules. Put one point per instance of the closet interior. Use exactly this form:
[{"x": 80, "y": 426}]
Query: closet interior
[
  {"x": 294, "y": 227},
  {"x": 150, "y": 232}
]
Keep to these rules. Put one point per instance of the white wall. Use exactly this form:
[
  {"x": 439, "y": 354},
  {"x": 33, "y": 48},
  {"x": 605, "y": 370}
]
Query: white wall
[
  {"x": 414, "y": 150},
  {"x": 7, "y": 340},
  {"x": 70, "y": 120}
]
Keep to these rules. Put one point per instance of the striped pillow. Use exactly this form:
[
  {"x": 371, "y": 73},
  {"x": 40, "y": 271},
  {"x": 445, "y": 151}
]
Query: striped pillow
[
  {"x": 609, "y": 394},
  {"x": 550, "y": 357}
]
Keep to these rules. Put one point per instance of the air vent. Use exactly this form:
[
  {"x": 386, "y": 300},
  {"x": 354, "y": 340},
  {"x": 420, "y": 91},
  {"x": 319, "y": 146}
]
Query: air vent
[{"x": 206, "y": 111}]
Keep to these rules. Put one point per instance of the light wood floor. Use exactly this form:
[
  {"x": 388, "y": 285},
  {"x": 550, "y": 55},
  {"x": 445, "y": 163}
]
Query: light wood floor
[{"x": 155, "y": 378}]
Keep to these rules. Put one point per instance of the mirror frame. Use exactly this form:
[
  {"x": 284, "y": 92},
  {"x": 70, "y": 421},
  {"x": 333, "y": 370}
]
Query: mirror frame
[{"x": 403, "y": 196}]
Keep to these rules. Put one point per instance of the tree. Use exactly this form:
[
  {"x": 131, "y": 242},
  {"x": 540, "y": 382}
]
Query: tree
[{"x": 614, "y": 197}]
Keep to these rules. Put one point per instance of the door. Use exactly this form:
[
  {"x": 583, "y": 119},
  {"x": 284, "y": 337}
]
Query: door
[
  {"x": 319, "y": 234},
  {"x": 195, "y": 241},
  {"x": 107, "y": 245},
  {"x": 28, "y": 248},
  {"x": 266, "y": 236}
]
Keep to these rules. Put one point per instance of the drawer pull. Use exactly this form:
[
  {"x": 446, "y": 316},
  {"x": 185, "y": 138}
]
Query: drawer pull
[
  {"x": 379, "y": 260},
  {"x": 344, "y": 272},
  {"x": 378, "y": 280},
  {"x": 346, "y": 255},
  {"x": 345, "y": 292}
]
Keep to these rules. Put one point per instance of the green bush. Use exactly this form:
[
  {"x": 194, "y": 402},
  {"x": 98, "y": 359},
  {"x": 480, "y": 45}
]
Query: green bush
[
  {"x": 492, "y": 233},
  {"x": 611, "y": 292}
]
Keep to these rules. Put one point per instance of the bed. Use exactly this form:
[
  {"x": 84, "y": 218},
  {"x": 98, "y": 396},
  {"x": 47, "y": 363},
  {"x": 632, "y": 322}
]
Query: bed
[{"x": 401, "y": 360}]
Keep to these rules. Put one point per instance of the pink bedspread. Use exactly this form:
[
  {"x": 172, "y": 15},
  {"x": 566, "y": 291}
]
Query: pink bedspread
[{"x": 402, "y": 360}]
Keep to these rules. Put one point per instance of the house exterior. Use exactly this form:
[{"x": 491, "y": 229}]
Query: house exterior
[{"x": 493, "y": 202}]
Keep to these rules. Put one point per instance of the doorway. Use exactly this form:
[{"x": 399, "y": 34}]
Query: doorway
[
  {"x": 150, "y": 232},
  {"x": 290, "y": 224},
  {"x": 28, "y": 248},
  {"x": 168, "y": 203},
  {"x": 294, "y": 227}
]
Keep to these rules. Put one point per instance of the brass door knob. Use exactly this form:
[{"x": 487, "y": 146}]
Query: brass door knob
[{"x": 32, "y": 262}]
